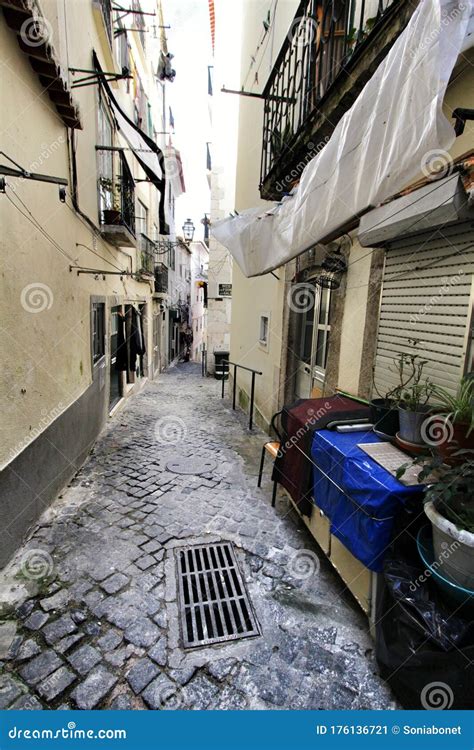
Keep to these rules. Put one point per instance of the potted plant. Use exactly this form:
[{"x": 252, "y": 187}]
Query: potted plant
[
  {"x": 449, "y": 505},
  {"x": 111, "y": 193},
  {"x": 384, "y": 410},
  {"x": 413, "y": 397},
  {"x": 452, "y": 429}
]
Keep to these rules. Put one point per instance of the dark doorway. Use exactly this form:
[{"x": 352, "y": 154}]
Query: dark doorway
[{"x": 115, "y": 393}]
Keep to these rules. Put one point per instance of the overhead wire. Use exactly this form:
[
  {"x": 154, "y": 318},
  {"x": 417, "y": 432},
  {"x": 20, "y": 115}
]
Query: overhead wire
[
  {"x": 39, "y": 228},
  {"x": 253, "y": 58},
  {"x": 27, "y": 214}
]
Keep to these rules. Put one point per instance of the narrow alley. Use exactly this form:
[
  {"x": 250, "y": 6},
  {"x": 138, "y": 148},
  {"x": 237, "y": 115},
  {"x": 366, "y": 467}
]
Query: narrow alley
[{"x": 96, "y": 622}]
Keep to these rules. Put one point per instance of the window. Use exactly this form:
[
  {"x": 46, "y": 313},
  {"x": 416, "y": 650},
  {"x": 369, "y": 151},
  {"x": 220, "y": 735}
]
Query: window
[
  {"x": 141, "y": 218},
  {"x": 172, "y": 258},
  {"x": 314, "y": 325},
  {"x": 210, "y": 73},
  {"x": 264, "y": 326},
  {"x": 122, "y": 51},
  {"x": 98, "y": 331}
]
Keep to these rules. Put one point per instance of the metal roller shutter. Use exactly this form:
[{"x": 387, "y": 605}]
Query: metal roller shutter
[{"x": 427, "y": 294}]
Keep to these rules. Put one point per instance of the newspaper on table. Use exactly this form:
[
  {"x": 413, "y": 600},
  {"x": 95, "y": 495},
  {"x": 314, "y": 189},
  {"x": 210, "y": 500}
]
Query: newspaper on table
[{"x": 392, "y": 458}]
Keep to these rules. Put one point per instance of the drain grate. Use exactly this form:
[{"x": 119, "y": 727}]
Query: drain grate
[{"x": 214, "y": 603}]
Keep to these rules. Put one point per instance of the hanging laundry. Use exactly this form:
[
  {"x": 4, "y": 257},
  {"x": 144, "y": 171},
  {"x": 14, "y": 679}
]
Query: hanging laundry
[
  {"x": 137, "y": 340},
  {"x": 164, "y": 71}
]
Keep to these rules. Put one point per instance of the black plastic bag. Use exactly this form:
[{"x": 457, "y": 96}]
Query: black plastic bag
[{"x": 424, "y": 650}]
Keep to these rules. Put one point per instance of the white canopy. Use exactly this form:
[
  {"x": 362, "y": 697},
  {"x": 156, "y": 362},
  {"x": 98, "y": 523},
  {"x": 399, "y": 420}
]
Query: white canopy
[{"x": 380, "y": 145}]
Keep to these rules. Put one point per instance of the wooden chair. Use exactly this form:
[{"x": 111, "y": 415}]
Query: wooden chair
[{"x": 272, "y": 447}]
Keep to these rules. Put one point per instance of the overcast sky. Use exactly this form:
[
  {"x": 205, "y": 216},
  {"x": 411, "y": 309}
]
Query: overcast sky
[{"x": 189, "y": 40}]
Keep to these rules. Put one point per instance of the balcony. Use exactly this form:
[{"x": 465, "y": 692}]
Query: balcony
[
  {"x": 332, "y": 49},
  {"x": 161, "y": 278},
  {"x": 146, "y": 249},
  {"x": 117, "y": 208}
]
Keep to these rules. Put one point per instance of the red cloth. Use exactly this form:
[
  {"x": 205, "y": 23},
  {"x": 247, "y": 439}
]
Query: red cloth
[{"x": 293, "y": 467}]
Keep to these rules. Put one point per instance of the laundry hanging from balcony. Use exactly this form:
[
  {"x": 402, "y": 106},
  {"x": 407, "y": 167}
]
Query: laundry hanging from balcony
[
  {"x": 379, "y": 146},
  {"x": 147, "y": 153}
]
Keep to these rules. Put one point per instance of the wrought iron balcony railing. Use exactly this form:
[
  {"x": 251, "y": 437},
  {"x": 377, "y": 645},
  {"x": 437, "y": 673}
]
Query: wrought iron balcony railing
[
  {"x": 147, "y": 255},
  {"x": 161, "y": 278},
  {"x": 117, "y": 197},
  {"x": 324, "y": 37}
]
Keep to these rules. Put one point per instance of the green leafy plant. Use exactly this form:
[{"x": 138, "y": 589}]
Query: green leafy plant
[
  {"x": 410, "y": 392},
  {"x": 458, "y": 408},
  {"x": 453, "y": 492}
]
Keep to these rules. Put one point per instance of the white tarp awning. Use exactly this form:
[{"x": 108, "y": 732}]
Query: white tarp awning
[{"x": 380, "y": 145}]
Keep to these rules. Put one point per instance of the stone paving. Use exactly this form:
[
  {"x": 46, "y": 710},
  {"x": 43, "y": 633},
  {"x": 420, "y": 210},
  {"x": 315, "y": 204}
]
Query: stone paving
[{"x": 92, "y": 615}]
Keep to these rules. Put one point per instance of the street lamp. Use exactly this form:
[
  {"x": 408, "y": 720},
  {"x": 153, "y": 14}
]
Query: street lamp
[{"x": 188, "y": 230}]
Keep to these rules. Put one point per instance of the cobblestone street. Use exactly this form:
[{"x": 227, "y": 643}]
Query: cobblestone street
[{"x": 93, "y": 620}]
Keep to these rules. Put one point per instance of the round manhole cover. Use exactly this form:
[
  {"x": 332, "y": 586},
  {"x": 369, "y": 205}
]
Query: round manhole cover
[{"x": 190, "y": 466}]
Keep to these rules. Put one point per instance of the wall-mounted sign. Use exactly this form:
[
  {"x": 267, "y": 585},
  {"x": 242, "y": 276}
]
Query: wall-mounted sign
[{"x": 225, "y": 290}]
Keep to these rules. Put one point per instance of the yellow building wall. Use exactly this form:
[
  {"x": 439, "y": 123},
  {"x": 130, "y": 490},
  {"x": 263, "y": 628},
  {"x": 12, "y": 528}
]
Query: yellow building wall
[
  {"x": 263, "y": 295},
  {"x": 45, "y": 338}
]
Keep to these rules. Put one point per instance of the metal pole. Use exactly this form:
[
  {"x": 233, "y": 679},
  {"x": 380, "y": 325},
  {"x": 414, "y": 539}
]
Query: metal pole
[
  {"x": 223, "y": 378},
  {"x": 252, "y": 394},
  {"x": 234, "y": 390}
]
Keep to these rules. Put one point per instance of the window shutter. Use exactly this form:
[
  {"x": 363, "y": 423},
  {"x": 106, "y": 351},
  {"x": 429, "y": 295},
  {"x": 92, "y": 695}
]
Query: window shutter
[{"x": 427, "y": 294}]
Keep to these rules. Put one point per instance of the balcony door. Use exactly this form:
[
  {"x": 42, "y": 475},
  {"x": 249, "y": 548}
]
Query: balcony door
[
  {"x": 105, "y": 157},
  {"x": 312, "y": 340}
]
